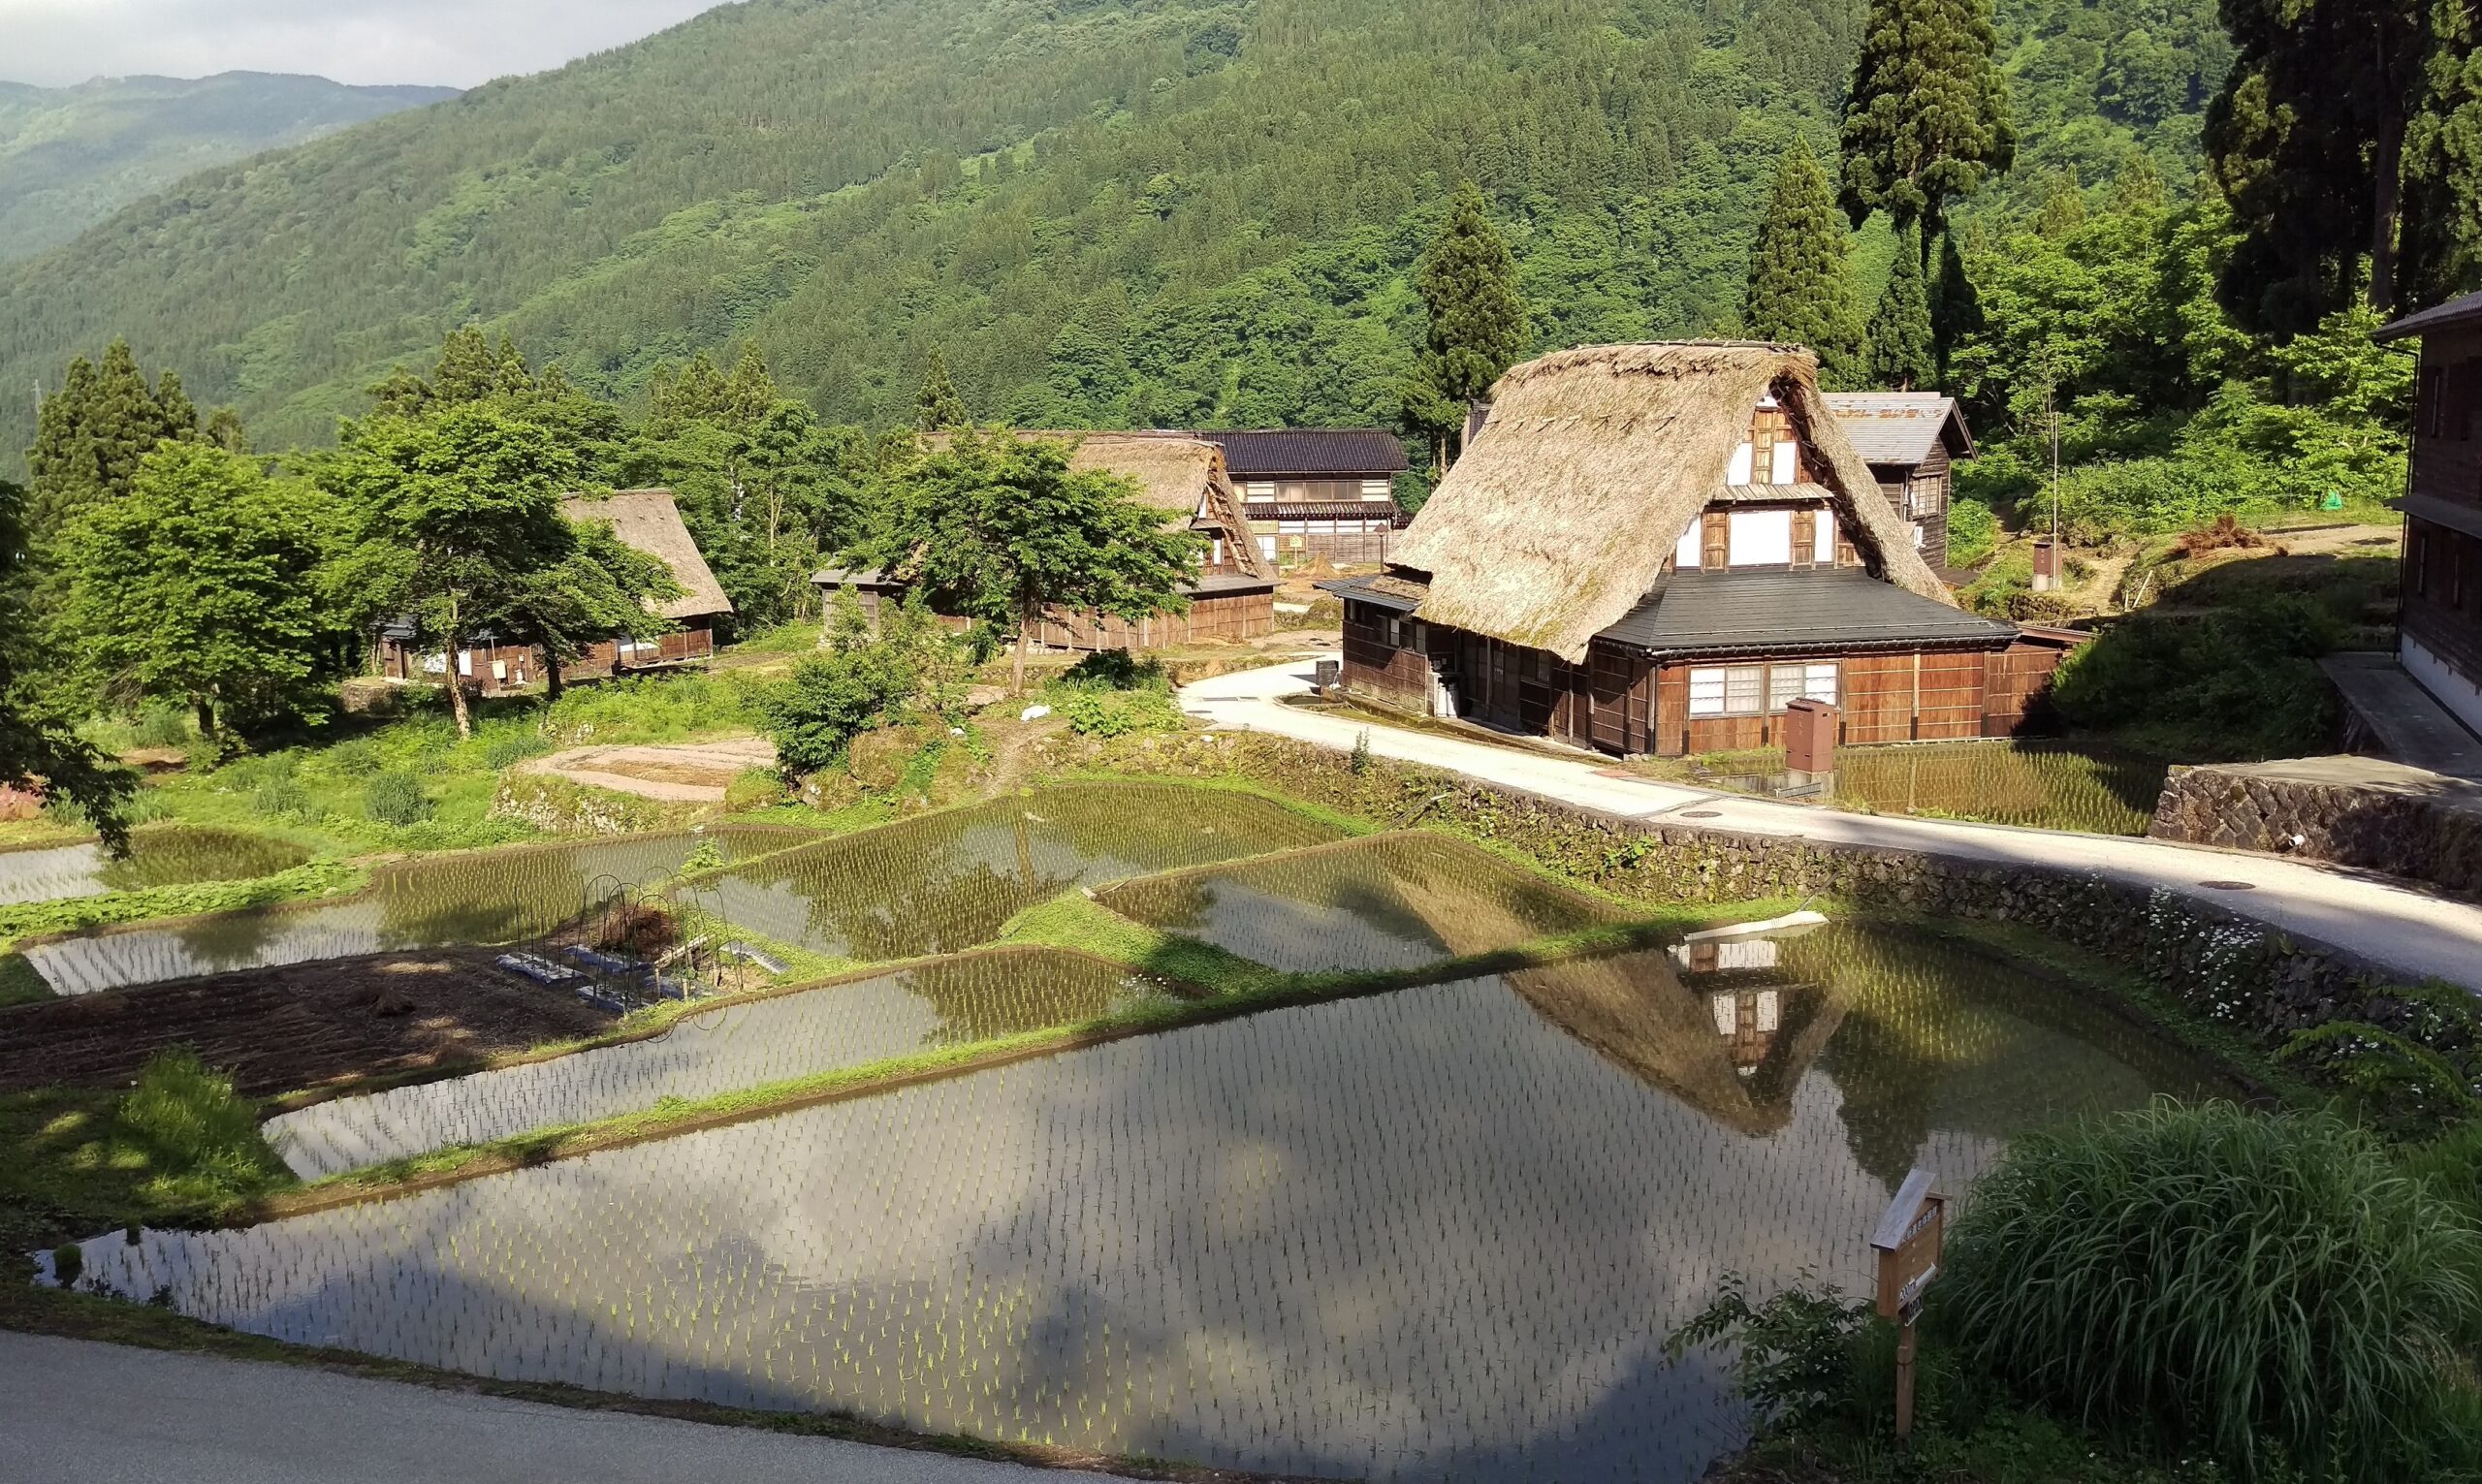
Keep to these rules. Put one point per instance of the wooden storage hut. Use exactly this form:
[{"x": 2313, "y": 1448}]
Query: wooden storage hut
[
  {"x": 1910, "y": 439},
  {"x": 1232, "y": 598},
  {"x": 1656, "y": 549},
  {"x": 647, "y": 520}
]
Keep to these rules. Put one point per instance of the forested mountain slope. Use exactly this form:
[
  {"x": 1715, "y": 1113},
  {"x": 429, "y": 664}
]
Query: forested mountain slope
[
  {"x": 1173, "y": 211},
  {"x": 72, "y": 156}
]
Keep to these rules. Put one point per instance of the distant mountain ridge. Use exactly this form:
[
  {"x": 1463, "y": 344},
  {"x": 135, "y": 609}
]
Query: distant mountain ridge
[
  {"x": 1178, "y": 213},
  {"x": 72, "y": 156}
]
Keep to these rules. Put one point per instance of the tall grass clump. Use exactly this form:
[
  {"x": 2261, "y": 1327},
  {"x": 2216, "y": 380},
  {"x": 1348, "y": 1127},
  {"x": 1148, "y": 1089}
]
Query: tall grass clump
[
  {"x": 199, "y": 1135},
  {"x": 2267, "y": 1288},
  {"x": 397, "y": 798}
]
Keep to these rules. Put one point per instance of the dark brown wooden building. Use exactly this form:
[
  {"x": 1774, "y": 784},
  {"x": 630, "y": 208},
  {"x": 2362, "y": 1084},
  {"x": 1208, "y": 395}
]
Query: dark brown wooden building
[
  {"x": 1656, "y": 549},
  {"x": 1233, "y": 596},
  {"x": 1909, "y": 439},
  {"x": 1317, "y": 493},
  {"x": 2440, "y": 638},
  {"x": 646, "y": 520}
]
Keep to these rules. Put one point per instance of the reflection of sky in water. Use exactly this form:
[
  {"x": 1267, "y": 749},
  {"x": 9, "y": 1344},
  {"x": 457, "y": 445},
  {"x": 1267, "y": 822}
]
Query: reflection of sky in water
[
  {"x": 720, "y": 1051},
  {"x": 948, "y": 881},
  {"x": 1427, "y": 1234},
  {"x": 483, "y": 896},
  {"x": 1392, "y": 902}
]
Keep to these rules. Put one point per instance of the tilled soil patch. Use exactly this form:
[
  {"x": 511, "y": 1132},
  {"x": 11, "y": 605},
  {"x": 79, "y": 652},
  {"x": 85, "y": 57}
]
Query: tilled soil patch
[{"x": 296, "y": 1027}]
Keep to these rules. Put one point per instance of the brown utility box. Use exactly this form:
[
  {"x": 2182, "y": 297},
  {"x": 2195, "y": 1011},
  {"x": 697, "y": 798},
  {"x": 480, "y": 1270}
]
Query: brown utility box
[{"x": 1809, "y": 737}]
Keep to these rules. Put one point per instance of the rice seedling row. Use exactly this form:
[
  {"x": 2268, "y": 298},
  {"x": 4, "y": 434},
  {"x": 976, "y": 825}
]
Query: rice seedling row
[
  {"x": 974, "y": 997},
  {"x": 482, "y": 897},
  {"x": 2044, "y": 785},
  {"x": 1438, "y": 1233},
  {"x": 159, "y": 855},
  {"x": 948, "y": 881}
]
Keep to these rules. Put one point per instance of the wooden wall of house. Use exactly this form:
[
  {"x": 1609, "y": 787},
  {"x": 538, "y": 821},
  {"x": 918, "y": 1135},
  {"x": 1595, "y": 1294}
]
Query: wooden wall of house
[
  {"x": 2447, "y": 422},
  {"x": 2443, "y": 594},
  {"x": 1216, "y": 618},
  {"x": 501, "y": 668},
  {"x": 1375, "y": 666},
  {"x": 2021, "y": 677}
]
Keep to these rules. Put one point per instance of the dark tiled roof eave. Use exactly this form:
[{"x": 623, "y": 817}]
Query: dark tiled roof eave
[
  {"x": 2451, "y": 513},
  {"x": 1823, "y": 609},
  {"x": 1380, "y": 589},
  {"x": 1313, "y": 453}
]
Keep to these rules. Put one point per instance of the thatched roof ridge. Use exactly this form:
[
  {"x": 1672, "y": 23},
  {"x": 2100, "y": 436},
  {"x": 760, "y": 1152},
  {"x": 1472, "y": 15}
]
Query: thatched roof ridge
[
  {"x": 1559, "y": 518},
  {"x": 648, "y": 521}
]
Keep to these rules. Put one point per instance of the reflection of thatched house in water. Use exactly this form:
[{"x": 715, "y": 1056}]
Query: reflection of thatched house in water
[
  {"x": 1657, "y": 548},
  {"x": 1231, "y": 599}
]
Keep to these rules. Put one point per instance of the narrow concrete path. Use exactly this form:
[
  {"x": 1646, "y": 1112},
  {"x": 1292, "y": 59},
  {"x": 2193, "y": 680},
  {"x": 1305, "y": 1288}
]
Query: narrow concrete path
[
  {"x": 2413, "y": 932},
  {"x": 76, "y": 1412},
  {"x": 2408, "y": 721}
]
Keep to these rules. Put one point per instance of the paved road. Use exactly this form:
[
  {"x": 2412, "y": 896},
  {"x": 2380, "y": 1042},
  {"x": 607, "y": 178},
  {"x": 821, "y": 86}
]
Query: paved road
[
  {"x": 76, "y": 1412},
  {"x": 2412, "y": 932}
]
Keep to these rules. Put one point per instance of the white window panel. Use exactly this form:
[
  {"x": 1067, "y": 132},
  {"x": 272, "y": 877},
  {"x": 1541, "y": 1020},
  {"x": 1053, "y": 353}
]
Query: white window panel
[
  {"x": 1267, "y": 547},
  {"x": 1743, "y": 458},
  {"x": 1788, "y": 683},
  {"x": 1375, "y": 490},
  {"x": 1744, "y": 690},
  {"x": 1707, "y": 692},
  {"x": 1693, "y": 548},
  {"x": 1787, "y": 457},
  {"x": 1762, "y": 538},
  {"x": 1823, "y": 550},
  {"x": 1920, "y": 537}
]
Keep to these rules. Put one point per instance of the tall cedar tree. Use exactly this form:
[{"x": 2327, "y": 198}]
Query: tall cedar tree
[
  {"x": 2348, "y": 131},
  {"x": 199, "y": 588},
  {"x": 937, "y": 408},
  {"x": 1800, "y": 287},
  {"x": 454, "y": 516},
  {"x": 1926, "y": 119},
  {"x": 1902, "y": 353},
  {"x": 38, "y": 744},
  {"x": 1956, "y": 307},
  {"x": 999, "y": 529},
  {"x": 1477, "y": 319},
  {"x": 93, "y": 431}
]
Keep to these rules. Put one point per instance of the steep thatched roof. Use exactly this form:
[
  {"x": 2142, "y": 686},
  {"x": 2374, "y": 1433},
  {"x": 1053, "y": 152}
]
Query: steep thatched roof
[
  {"x": 1174, "y": 473},
  {"x": 1559, "y": 518},
  {"x": 648, "y": 521}
]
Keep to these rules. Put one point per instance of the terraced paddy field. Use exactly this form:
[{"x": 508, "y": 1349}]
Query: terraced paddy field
[
  {"x": 948, "y": 881},
  {"x": 478, "y": 897},
  {"x": 159, "y": 855},
  {"x": 1439, "y": 1232}
]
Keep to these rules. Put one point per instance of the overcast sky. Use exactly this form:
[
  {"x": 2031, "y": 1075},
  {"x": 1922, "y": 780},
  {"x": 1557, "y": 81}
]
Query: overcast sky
[{"x": 455, "y": 43}]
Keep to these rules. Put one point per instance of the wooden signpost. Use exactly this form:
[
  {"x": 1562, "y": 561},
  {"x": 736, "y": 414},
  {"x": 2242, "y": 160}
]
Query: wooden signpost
[{"x": 1908, "y": 1241}]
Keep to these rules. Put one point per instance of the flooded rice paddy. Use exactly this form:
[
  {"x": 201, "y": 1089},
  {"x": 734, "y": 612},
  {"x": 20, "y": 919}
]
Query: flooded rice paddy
[
  {"x": 950, "y": 1002},
  {"x": 159, "y": 855},
  {"x": 2038, "y": 784},
  {"x": 482, "y": 897},
  {"x": 1388, "y": 901},
  {"x": 948, "y": 881},
  {"x": 1434, "y": 1233}
]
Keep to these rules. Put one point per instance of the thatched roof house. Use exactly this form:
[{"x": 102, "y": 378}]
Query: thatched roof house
[
  {"x": 1658, "y": 548},
  {"x": 1558, "y": 520},
  {"x": 648, "y": 521}
]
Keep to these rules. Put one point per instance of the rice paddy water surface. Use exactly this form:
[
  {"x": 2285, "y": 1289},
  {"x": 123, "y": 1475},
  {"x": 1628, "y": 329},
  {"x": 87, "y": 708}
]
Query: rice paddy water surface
[
  {"x": 479, "y": 897},
  {"x": 159, "y": 855},
  {"x": 1434, "y": 1233}
]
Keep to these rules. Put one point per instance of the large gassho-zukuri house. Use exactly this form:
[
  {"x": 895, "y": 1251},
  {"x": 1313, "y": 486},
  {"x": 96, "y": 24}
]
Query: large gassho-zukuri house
[
  {"x": 1657, "y": 548},
  {"x": 1232, "y": 596}
]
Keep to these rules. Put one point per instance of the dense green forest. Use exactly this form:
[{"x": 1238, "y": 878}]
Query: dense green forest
[
  {"x": 72, "y": 156},
  {"x": 1164, "y": 212}
]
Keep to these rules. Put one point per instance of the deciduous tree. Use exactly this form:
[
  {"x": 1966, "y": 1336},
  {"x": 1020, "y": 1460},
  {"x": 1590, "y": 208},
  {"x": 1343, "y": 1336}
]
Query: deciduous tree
[
  {"x": 199, "y": 587},
  {"x": 999, "y": 529},
  {"x": 39, "y": 744}
]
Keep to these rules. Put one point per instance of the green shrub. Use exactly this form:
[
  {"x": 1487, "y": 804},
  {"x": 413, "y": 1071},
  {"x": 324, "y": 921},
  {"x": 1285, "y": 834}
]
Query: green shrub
[
  {"x": 756, "y": 788},
  {"x": 160, "y": 726},
  {"x": 2242, "y": 682},
  {"x": 1118, "y": 670},
  {"x": 1094, "y": 711},
  {"x": 283, "y": 799},
  {"x": 193, "y": 1125},
  {"x": 2269, "y": 1289},
  {"x": 356, "y": 759},
  {"x": 397, "y": 798},
  {"x": 1973, "y": 533},
  {"x": 68, "y": 1264}
]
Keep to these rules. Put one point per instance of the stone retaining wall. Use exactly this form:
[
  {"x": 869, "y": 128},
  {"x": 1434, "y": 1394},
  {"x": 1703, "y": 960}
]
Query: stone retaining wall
[
  {"x": 2353, "y": 811},
  {"x": 2222, "y": 966}
]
